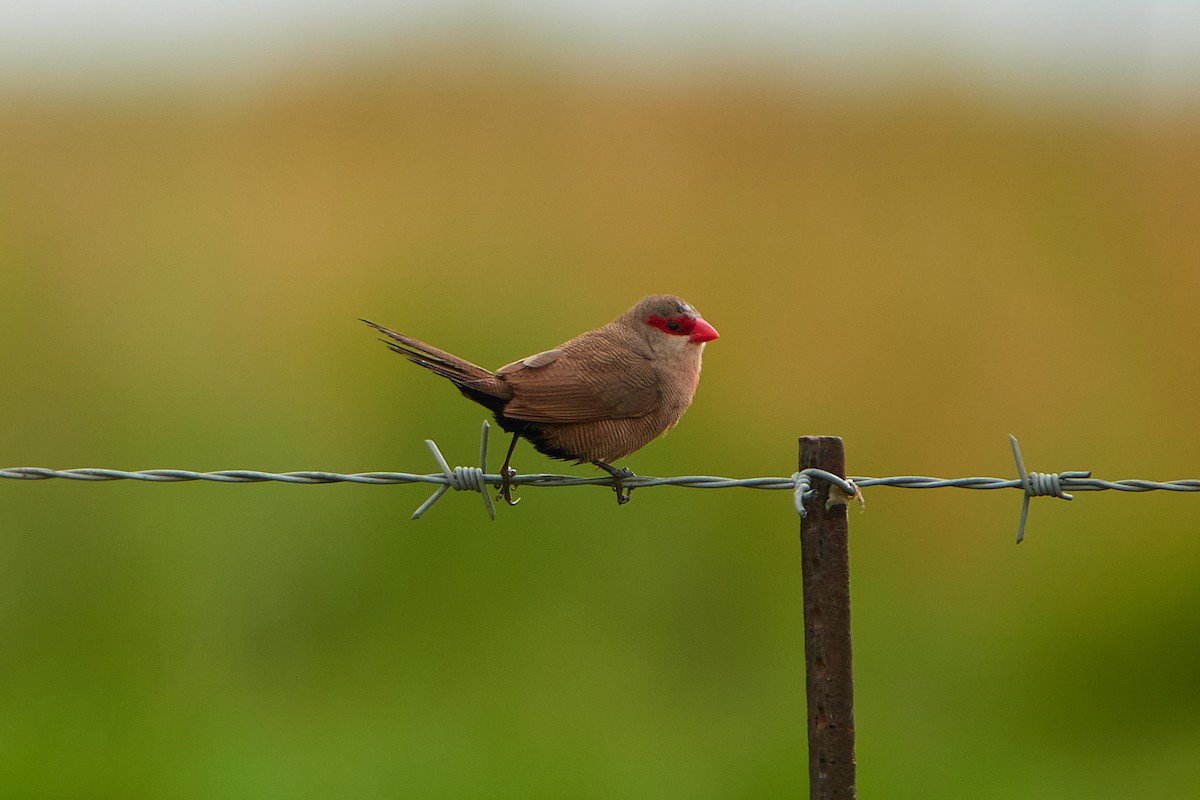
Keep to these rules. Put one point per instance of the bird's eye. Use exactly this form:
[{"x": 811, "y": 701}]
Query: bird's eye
[{"x": 673, "y": 325}]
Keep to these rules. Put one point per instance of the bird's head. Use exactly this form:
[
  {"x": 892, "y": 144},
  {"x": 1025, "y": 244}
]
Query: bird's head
[{"x": 667, "y": 321}]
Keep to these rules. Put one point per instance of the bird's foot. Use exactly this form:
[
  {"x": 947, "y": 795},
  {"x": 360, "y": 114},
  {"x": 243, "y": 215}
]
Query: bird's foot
[
  {"x": 619, "y": 476},
  {"x": 507, "y": 473},
  {"x": 623, "y": 492}
]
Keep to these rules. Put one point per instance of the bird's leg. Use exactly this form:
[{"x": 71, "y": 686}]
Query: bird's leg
[
  {"x": 507, "y": 473},
  {"x": 618, "y": 476}
]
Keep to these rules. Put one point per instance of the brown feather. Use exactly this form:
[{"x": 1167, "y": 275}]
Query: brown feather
[{"x": 593, "y": 378}]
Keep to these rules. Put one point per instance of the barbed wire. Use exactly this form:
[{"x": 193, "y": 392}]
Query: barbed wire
[{"x": 1032, "y": 484}]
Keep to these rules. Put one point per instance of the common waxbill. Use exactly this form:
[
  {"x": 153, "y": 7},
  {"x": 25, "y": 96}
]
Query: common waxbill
[{"x": 598, "y": 397}]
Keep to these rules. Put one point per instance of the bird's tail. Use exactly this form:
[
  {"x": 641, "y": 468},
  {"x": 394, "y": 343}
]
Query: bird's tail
[{"x": 477, "y": 383}]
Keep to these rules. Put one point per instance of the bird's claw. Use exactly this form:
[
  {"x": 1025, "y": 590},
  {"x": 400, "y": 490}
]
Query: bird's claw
[
  {"x": 505, "y": 493},
  {"x": 623, "y": 491}
]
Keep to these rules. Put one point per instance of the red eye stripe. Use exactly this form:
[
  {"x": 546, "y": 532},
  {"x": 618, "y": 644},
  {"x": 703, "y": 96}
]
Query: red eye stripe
[{"x": 675, "y": 326}]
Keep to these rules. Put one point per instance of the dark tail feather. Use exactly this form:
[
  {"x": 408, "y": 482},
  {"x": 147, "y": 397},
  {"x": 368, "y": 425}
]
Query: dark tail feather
[{"x": 472, "y": 380}]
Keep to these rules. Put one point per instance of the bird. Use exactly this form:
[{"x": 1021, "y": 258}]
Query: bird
[{"x": 596, "y": 398}]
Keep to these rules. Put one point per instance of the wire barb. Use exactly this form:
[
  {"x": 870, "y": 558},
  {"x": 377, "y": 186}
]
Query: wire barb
[
  {"x": 1039, "y": 484},
  {"x": 459, "y": 479}
]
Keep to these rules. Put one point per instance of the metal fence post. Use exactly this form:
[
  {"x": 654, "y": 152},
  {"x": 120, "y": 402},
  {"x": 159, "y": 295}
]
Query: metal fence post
[{"x": 825, "y": 557}]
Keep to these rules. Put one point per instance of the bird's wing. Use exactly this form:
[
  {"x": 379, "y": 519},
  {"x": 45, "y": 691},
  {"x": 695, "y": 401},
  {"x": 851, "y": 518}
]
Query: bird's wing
[{"x": 580, "y": 385}]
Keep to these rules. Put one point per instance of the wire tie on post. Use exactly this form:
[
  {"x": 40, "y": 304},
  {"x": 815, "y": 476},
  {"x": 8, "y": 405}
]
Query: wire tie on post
[
  {"x": 802, "y": 488},
  {"x": 461, "y": 478},
  {"x": 1039, "y": 484},
  {"x": 802, "y": 482}
]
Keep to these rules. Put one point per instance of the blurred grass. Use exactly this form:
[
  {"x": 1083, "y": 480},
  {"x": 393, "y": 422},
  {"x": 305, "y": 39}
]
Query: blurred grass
[{"x": 180, "y": 277}]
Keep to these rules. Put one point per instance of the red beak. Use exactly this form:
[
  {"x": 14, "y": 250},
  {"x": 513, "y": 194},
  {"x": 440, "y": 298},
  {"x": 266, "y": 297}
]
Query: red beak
[{"x": 703, "y": 332}]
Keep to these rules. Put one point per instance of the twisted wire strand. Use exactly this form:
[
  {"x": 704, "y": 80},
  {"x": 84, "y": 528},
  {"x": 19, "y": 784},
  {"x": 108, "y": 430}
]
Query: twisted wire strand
[
  {"x": 477, "y": 479},
  {"x": 547, "y": 479}
]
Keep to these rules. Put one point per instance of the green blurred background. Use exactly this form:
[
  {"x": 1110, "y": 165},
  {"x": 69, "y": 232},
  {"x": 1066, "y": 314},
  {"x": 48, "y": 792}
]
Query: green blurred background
[{"x": 920, "y": 257}]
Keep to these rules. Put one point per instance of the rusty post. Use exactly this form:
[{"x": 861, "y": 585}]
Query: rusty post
[{"x": 825, "y": 557}]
